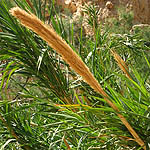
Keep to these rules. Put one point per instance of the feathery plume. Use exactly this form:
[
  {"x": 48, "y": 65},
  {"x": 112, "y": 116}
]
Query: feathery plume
[
  {"x": 57, "y": 43},
  {"x": 121, "y": 64}
]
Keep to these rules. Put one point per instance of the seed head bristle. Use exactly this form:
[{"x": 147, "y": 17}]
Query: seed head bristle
[{"x": 121, "y": 64}]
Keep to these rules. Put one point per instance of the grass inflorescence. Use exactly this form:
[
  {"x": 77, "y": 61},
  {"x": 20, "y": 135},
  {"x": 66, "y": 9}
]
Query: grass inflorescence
[{"x": 56, "y": 97}]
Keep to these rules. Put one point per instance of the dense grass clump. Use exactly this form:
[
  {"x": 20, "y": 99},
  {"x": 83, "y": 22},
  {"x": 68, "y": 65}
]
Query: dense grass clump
[{"x": 60, "y": 89}]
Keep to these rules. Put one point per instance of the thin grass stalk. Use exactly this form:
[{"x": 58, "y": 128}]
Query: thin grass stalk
[
  {"x": 30, "y": 4},
  {"x": 56, "y": 42},
  {"x": 66, "y": 143}
]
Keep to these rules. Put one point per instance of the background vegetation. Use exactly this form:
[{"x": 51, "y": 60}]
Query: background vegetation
[{"x": 45, "y": 105}]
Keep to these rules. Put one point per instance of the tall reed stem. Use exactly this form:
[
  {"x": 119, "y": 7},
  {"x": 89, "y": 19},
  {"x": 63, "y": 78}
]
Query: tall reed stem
[{"x": 56, "y": 42}]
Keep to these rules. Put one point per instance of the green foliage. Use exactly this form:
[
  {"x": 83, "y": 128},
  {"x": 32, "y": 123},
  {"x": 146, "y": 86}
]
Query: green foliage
[
  {"x": 45, "y": 105},
  {"x": 122, "y": 23},
  {"x": 93, "y": 13}
]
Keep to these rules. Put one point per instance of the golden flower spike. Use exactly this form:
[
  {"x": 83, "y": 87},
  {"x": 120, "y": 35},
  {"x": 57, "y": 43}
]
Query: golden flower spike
[
  {"x": 56, "y": 42},
  {"x": 121, "y": 64}
]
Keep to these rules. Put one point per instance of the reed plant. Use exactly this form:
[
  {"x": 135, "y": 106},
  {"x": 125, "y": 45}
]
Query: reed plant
[{"x": 56, "y": 97}]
